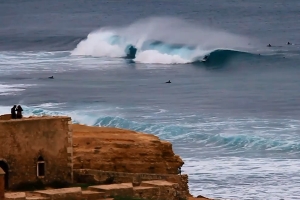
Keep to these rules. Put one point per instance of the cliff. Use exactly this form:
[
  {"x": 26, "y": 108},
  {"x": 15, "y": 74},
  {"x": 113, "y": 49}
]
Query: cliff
[{"x": 119, "y": 150}]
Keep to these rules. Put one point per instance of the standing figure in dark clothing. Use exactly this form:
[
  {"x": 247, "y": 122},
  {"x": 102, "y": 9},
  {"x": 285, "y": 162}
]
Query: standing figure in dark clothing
[
  {"x": 179, "y": 170},
  {"x": 13, "y": 112},
  {"x": 19, "y": 112}
]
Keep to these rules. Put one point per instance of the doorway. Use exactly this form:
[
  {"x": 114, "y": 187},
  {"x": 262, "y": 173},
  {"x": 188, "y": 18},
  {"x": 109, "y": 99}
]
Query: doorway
[{"x": 5, "y": 168}]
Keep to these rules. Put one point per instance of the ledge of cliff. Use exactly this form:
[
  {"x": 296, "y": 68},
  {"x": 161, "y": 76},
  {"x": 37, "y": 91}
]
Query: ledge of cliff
[{"x": 120, "y": 150}]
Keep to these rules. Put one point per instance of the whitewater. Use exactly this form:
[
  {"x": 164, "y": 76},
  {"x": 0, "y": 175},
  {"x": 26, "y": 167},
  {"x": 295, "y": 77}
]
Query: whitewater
[
  {"x": 163, "y": 40},
  {"x": 233, "y": 118}
]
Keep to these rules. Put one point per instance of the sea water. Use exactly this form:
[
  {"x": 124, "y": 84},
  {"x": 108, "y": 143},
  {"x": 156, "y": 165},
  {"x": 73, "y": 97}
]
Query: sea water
[{"x": 234, "y": 119}]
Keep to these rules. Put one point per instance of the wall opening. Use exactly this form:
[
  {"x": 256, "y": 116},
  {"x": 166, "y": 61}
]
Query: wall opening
[
  {"x": 5, "y": 168},
  {"x": 40, "y": 167}
]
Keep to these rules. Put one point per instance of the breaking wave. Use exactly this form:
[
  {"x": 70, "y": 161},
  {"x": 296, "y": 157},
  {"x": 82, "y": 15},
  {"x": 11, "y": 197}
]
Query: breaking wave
[
  {"x": 163, "y": 40},
  {"x": 179, "y": 132}
]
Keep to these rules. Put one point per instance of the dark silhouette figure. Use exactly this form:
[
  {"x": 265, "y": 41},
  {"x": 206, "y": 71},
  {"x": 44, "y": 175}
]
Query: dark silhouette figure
[
  {"x": 179, "y": 170},
  {"x": 205, "y": 58},
  {"x": 168, "y": 81},
  {"x": 269, "y": 45},
  {"x": 19, "y": 112},
  {"x": 51, "y": 77},
  {"x": 132, "y": 52},
  {"x": 288, "y": 43},
  {"x": 13, "y": 112}
]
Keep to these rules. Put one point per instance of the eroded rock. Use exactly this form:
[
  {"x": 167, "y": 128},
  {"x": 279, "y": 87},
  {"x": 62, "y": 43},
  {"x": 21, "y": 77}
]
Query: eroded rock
[{"x": 113, "y": 149}]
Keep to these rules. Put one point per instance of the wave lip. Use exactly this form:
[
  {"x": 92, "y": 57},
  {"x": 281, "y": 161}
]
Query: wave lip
[{"x": 160, "y": 41}]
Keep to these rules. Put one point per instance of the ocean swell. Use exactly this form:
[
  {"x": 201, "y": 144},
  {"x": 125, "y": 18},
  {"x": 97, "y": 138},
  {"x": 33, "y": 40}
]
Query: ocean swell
[
  {"x": 163, "y": 41},
  {"x": 182, "y": 133},
  {"x": 38, "y": 42}
]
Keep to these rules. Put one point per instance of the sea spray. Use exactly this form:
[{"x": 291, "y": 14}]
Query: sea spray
[{"x": 162, "y": 40}]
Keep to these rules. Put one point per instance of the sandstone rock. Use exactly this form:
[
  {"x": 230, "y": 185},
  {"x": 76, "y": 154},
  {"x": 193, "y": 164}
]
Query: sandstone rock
[
  {"x": 15, "y": 195},
  {"x": 91, "y": 195},
  {"x": 64, "y": 193},
  {"x": 113, "y": 149},
  {"x": 145, "y": 192},
  {"x": 167, "y": 190},
  {"x": 123, "y": 189},
  {"x": 37, "y": 198},
  {"x": 200, "y": 197},
  {"x": 5, "y": 117}
]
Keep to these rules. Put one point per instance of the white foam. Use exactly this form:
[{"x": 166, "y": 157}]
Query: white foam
[
  {"x": 34, "y": 62},
  {"x": 96, "y": 44},
  {"x": 113, "y": 41},
  {"x": 235, "y": 177},
  {"x": 155, "y": 57},
  {"x": 12, "y": 89},
  {"x": 49, "y": 105}
]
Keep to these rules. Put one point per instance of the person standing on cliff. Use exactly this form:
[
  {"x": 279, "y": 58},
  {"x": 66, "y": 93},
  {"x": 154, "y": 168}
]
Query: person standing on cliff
[
  {"x": 179, "y": 170},
  {"x": 19, "y": 112},
  {"x": 13, "y": 112}
]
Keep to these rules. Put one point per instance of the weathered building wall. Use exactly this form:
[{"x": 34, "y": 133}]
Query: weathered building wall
[
  {"x": 2, "y": 185},
  {"x": 5, "y": 117},
  {"x": 23, "y": 141}
]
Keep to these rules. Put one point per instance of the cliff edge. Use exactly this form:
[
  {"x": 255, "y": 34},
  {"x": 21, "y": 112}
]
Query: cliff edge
[{"x": 119, "y": 150}]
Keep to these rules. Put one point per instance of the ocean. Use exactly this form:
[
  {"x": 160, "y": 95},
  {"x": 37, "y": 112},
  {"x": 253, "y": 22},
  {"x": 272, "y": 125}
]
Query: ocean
[{"x": 233, "y": 118}]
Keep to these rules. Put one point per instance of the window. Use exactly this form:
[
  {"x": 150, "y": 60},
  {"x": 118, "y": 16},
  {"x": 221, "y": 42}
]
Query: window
[{"x": 40, "y": 167}]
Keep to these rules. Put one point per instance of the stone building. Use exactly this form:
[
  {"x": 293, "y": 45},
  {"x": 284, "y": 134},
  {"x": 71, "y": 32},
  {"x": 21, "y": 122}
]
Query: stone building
[{"x": 36, "y": 150}]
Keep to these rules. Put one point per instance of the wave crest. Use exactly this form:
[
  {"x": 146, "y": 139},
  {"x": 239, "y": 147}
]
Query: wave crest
[{"x": 160, "y": 40}]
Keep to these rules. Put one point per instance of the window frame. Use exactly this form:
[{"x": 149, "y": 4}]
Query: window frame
[{"x": 38, "y": 168}]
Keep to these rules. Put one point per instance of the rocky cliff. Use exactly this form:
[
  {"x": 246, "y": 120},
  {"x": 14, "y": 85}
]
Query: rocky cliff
[{"x": 119, "y": 150}]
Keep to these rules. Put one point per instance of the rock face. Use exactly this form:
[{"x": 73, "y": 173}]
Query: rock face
[{"x": 119, "y": 150}]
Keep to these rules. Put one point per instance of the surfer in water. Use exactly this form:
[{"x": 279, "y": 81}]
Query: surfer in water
[
  {"x": 51, "y": 77},
  {"x": 168, "y": 81},
  {"x": 205, "y": 58},
  {"x": 269, "y": 45},
  {"x": 132, "y": 52},
  {"x": 289, "y": 43}
]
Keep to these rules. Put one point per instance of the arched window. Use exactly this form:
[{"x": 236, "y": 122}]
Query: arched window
[{"x": 40, "y": 167}]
